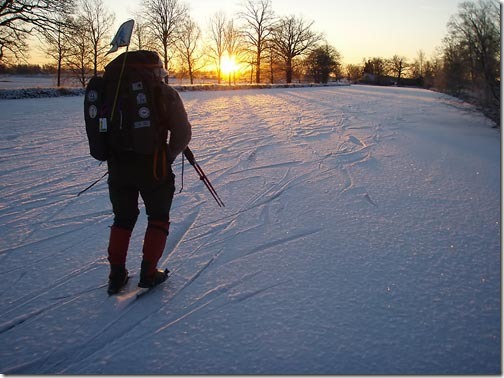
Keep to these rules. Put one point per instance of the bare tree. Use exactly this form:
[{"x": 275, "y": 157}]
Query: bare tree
[
  {"x": 374, "y": 70},
  {"x": 272, "y": 57},
  {"x": 396, "y": 66},
  {"x": 58, "y": 44},
  {"x": 454, "y": 77},
  {"x": 164, "y": 17},
  {"x": 141, "y": 38},
  {"x": 80, "y": 57},
  {"x": 99, "y": 24},
  {"x": 418, "y": 66},
  {"x": 233, "y": 43},
  {"x": 293, "y": 37},
  {"x": 18, "y": 19},
  {"x": 432, "y": 71},
  {"x": 354, "y": 72},
  {"x": 476, "y": 32},
  {"x": 259, "y": 20},
  {"x": 187, "y": 46},
  {"x": 218, "y": 41}
]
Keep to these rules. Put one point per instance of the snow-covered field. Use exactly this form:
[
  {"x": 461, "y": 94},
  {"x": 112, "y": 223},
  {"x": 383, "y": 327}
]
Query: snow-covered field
[
  {"x": 361, "y": 235},
  {"x": 35, "y": 81}
]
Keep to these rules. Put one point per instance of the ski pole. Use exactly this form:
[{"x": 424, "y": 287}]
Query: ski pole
[
  {"x": 182, "y": 176},
  {"x": 93, "y": 184},
  {"x": 190, "y": 158}
]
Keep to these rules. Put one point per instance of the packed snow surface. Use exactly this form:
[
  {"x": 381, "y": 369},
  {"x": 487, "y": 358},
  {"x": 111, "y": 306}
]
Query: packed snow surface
[{"x": 361, "y": 235}]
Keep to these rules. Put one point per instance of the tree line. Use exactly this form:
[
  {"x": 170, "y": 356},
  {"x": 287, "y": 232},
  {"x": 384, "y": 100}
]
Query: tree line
[
  {"x": 267, "y": 47},
  {"x": 467, "y": 65},
  {"x": 76, "y": 35}
]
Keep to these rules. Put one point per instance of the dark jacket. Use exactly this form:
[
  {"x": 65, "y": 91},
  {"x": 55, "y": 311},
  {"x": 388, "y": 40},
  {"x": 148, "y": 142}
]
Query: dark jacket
[{"x": 176, "y": 121}]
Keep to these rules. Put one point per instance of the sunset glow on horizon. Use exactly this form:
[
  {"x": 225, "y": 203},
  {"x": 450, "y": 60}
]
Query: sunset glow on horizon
[
  {"x": 357, "y": 29},
  {"x": 229, "y": 65}
]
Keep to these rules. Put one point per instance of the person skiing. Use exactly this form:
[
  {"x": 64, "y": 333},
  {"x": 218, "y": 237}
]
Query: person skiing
[{"x": 146, "y": 174}]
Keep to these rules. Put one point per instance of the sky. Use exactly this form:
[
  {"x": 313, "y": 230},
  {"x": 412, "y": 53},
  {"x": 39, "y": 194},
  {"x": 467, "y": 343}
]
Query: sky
[{"x": 356, "y": 28}]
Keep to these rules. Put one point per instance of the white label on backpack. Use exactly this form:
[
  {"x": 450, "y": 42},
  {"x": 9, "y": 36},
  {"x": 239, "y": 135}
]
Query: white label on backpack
[
  {"x": 144, "y": 112},
  {"x": 102, "y": 128},
  {"x": 141, "y": 99},
  {"x": 93, "y": 112},
  {"x": 140, "y": 124},
  {"x": 138, "y": 86}
]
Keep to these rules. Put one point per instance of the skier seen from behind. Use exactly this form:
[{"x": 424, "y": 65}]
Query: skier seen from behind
[{"x": 146, "y": 174}]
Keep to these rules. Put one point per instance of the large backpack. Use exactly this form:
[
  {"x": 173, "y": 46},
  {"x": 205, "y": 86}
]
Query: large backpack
[{"x": 123, "y": 111}]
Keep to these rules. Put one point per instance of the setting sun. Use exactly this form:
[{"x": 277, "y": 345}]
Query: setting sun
[{"x": 228, "y": 65}]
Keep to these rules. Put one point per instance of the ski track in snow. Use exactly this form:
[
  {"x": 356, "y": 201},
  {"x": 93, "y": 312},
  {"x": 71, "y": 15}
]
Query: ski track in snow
[{"x": 360, "y": 235}]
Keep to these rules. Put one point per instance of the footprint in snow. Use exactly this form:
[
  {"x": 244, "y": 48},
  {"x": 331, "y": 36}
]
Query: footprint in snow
[
  {"x": 355, "y": 140},
  {"x": 368, "y": 198}
]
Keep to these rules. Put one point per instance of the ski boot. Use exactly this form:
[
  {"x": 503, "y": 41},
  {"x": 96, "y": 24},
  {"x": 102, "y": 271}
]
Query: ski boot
[
  {"x": 151, "y": 277},
  {"x": 118, "y": 278}
]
